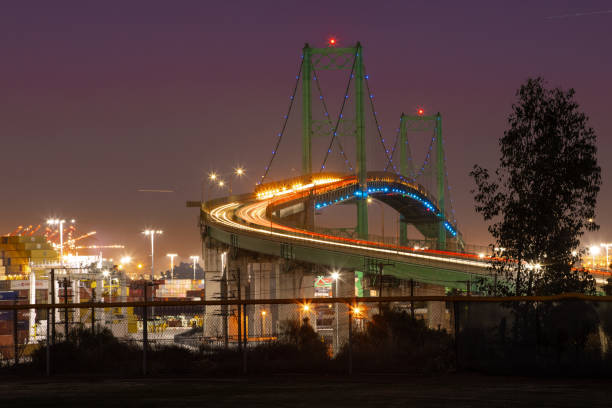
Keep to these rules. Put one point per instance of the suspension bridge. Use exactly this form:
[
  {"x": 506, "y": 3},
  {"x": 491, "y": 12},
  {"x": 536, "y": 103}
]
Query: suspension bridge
[{"x": 276, "y": 224}]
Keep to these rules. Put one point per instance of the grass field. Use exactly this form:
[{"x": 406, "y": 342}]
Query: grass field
[{"x": 456, "y": 390}]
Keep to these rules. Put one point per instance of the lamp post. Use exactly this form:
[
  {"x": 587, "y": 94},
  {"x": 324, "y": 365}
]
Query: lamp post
[
  {"x": 60, "y": 223},
  {"x": 263, "y": 319},
  {"x": 172, "y": 256},
  {"x": 237, "y": 173},
  {"x": 195, "y": 259},
  {"x": 212, "y": 177},
  {"x": 335, "y": 276},
  {"x": 151, "y": 233},
  {"x": 594, "y": 250},
  {"x": 607, "y": 246}
]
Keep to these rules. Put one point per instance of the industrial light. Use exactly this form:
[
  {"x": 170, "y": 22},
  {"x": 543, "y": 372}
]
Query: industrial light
[
  {"x": 152, "y": 232},
  {"x": 594, "y": 250}
]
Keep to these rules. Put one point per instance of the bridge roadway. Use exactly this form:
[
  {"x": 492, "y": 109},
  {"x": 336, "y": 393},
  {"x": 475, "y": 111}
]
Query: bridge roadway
[{"x": 244, "y": 222}]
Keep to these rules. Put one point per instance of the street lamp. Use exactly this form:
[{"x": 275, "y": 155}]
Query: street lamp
[
  {"x": 336, "y": 276},
  {"x": 172, "y": 256},
  {"x": 195, "y": 259},
  {"x": 594, "y": 250},
  {"x": 263, "y": 319},
  {"x": 237, "y": 173},
  {"x": 212, "y": 177},
  {"x": 55, "y": 221},
  {"x": 151, "y": 233},
  {"x": 607, "y": 246}
]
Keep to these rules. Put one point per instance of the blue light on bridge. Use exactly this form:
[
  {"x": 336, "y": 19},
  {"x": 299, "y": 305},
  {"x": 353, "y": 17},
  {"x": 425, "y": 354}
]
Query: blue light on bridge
[
  {"x": 358, "y": 193},
  {"x": 450, "y": 228}
]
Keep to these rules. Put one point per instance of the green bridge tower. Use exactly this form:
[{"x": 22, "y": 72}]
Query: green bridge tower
[
  {"x": 332, "y": 58},
  {"x": 420, "y": 122}
]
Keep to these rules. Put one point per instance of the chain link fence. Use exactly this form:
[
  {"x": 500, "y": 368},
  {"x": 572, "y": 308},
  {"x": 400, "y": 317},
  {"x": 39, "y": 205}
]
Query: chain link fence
[{"x": 397, "y": 334}]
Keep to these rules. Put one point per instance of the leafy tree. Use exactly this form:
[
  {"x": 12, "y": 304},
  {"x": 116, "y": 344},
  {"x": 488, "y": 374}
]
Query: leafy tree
[{"x": 541, "y": 198}]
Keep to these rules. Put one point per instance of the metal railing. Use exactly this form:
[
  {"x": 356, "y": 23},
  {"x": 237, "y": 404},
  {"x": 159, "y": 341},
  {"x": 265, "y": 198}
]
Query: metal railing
[{"x": 473, "y": 332}]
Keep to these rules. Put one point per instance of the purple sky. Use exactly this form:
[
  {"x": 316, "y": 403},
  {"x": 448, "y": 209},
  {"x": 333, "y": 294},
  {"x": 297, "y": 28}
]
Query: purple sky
[{"x": 101, "y": 99}]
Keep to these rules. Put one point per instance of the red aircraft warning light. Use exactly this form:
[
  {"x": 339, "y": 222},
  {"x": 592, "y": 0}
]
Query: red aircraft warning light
[
  {"x": 331, "y": 41},
  {"x": 420, "y": 111}
]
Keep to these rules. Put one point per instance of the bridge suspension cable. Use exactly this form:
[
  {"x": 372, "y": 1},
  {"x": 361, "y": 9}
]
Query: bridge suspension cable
[
  {"x": 335, "y": 129},
  {"x": 378, "y": 127},
  {"x": 286, "y": 119},
  {"x": 326, "y": 112},
  {"x": 389, "y": 162}
]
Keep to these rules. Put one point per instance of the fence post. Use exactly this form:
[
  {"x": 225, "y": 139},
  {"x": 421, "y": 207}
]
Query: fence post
[
  {"x": 48, "y": 351},
  {"x": 93, "y": 311},
  {"x": 412, "y": 300},
  {"x": 145, "y": 328},
  {"x": 350, "y": 339},
  {"x": 15, "y": 336},
  {"x": 239, "y": 314},
  {"x": 52, "y": 283},
  {"x": 244, "y": 350},
  {"x": 66, "y": 308},
  {"x": 456, "y": 330}
]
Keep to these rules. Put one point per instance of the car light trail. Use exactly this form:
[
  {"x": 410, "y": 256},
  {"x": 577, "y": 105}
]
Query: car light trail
[{"x": 253, "y": 213}]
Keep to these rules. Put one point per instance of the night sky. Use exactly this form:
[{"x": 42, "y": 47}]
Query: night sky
[{"x": 100, "y": 99}]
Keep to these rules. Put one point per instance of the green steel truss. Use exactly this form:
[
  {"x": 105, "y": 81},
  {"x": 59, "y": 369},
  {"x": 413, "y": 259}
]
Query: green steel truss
[
  {"x": 337, "y": 59},
  {"x": 419, "y": 123}
]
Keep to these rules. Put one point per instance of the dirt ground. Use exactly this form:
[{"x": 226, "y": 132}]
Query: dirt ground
[{"x": 455, "y": 390}]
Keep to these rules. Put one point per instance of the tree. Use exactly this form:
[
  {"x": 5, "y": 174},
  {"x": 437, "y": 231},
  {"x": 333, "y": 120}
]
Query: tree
[
  {"x": 184, "y": 270},
  {"x": 541, "y": 199}
]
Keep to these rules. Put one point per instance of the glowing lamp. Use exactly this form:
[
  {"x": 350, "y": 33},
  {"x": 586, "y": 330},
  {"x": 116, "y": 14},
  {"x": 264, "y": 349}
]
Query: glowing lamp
[
  {"x": 420, "y": 111},
  {"x": 331, "y": 42}
]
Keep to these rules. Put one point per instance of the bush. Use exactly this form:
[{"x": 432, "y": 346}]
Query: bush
[{"x": 394, "y": 341}]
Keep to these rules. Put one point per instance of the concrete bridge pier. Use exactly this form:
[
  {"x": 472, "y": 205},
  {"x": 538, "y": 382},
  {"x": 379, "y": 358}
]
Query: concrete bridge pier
[
  {"x": 215, "y": 278},
  {"x": 295, "y": 280}
]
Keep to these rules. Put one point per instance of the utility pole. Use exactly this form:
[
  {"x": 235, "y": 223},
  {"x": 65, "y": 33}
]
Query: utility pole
[
  {"x": 239, "y": 312},
  {"x": 381, "y": 266},
  {"x": 65, "y": 284},
  {"x": 411, "y": 300},
  {"x": 52, "y": 283}
]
